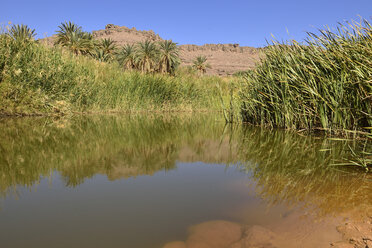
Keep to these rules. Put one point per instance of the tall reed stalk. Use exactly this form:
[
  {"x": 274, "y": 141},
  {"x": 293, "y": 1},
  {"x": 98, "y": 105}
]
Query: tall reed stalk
[{"x": 325, "y": 83}]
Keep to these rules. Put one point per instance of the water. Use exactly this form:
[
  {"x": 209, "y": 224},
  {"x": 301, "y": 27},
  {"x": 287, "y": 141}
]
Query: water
[{"x": 143, "y": 181}]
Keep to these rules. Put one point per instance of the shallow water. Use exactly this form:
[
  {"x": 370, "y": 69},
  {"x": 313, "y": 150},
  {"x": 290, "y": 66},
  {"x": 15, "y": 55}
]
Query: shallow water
[{"x": 144, "y": 181}]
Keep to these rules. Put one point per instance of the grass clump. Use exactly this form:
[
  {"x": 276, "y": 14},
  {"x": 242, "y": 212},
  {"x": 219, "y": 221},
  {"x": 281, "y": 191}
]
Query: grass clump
[{"x": 325, "y": 83}]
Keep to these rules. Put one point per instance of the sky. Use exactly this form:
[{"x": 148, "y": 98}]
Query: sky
[{"x": 248, "y": 23}]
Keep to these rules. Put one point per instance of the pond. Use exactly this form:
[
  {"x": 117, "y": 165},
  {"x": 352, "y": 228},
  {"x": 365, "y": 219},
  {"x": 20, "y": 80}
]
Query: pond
[{"x": 158, "y": 181}]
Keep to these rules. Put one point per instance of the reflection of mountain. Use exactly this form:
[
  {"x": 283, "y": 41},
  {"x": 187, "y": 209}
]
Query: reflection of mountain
[
  {"x": 287, "y": 168},
  {"x": 119, "y": 147}
]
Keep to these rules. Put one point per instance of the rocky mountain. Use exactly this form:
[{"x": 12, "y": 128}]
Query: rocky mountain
[
  {"x": 225, "y": 59},
  {"x": 123, "y": 35}
]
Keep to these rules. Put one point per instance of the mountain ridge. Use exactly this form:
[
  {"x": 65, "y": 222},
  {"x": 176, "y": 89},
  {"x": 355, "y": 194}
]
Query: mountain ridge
[{"x": 225, "y": 59}]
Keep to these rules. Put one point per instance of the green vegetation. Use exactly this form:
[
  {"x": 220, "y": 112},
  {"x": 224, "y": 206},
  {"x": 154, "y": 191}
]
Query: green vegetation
[
  {"x": 150, "y": 57},
  {"x": 72, "y": 37},
  {"x": 21, "y": 33},
  {"x": 39, "y": 79},
  {"x": 323, "y": 84},
  {"x": 104, "y": 51},
  {"x": 126, "y": 57},
  {"x": 200, "y": 64},
  {"x": 146, "y": 56},
  {"x": 169, "y": 58}
]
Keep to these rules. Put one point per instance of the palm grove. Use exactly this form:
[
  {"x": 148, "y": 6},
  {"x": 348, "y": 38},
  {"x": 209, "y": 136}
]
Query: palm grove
[{"x": 146, "y": 56}]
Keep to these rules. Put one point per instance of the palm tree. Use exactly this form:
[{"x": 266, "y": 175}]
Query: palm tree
[
  {"x": 146, "y": 56},
  {"x": 21, "y": 33},
  {"x": 100, "y": 55},
  {"x": 104, "y": 50},
  {"x": 108, "y": 46},
  {"x": 79, "y": 43},
  {"x": 72, "y": 37},
  {"x": 65, "y": 31},
  {"x": 169, "y": 57},
  {"x": 200, "y": 64},
  {"x": 126, "y": 57}
]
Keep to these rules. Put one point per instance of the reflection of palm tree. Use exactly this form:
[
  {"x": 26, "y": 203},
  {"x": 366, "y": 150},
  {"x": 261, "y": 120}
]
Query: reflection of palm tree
[
  {"x": 126, "y": 57},
  {"x": 21, "y": 33},
  {"x": 146, "y": 56},
  {"x": 72, "y": 37},
  {"x": 200, "y": 64},
  {"x": 169, "y": 59}
]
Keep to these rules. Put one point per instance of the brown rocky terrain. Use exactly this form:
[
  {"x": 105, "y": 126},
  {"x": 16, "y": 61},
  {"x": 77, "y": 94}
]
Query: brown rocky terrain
[
  {"x": 224, "y": 59},
  {"x": 123, "y": 35}
]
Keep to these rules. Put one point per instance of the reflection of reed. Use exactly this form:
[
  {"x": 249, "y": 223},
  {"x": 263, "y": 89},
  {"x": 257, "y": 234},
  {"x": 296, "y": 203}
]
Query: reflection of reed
[
  {"x": 286, "y": 167},
  {"x": 83, "y": 146},
  {"x": 296, "y": 170}
]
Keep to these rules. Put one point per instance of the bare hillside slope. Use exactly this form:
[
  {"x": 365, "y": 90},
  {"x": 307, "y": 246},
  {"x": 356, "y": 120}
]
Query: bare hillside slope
[{"x": 225, "y": 59}]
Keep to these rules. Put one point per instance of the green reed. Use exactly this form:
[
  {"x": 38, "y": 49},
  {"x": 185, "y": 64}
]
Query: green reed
[
  {"x": 39, "y": 79},
  {"x": 325, "y": 83}
]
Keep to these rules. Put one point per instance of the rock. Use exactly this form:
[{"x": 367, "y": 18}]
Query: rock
[
  {"x": 109, "y": 26},
  {"x": 341, "y": 245},
  {"x": 357, "y": 233},
  {"x": 368, "y": 243},
  {"x": 214, "y": 234},
  {"x": 258, "y": 237},
  {"x": 175, "y": 244}
]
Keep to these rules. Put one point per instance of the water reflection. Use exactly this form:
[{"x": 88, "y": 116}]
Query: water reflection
[
  {"x": 286, "y": 168},
  {"x": 292, "y": 169},
  {"x": 119, "y": 147}
]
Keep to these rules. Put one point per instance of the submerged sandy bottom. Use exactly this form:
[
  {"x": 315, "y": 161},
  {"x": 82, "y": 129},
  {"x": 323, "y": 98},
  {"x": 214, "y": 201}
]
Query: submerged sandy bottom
[{"x": 289, "y": 233}]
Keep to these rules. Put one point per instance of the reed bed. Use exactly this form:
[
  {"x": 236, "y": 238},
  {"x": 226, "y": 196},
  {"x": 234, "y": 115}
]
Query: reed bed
[
  {"x": 325, "y": 83},
  {"x": 39, "y": 79}
]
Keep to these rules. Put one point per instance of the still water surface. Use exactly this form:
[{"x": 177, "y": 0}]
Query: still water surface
[{"x": 144, "y": 181}]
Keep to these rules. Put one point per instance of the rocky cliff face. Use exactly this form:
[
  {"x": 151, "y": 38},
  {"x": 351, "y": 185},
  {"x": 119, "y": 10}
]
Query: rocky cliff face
[
  {"x": 124, "y": 35},
  {"x": 225, "y": 59},
  {"x": 218, "y": 47}
]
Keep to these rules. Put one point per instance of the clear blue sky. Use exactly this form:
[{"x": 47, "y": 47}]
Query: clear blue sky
[{"x": 193, "y": 21}]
